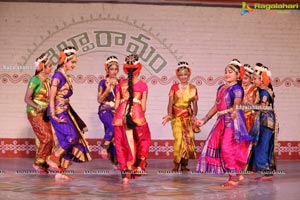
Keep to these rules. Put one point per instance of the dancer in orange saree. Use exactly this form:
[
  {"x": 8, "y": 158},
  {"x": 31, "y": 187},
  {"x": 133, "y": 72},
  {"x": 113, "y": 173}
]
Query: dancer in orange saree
[
  {"x": 132, "y": 134},
  {"x": 250, "y": 95},
  {"x": 250, "y": 91},
  {"x": 36, "y": 98},
  {"x": 182, "y": 109}
]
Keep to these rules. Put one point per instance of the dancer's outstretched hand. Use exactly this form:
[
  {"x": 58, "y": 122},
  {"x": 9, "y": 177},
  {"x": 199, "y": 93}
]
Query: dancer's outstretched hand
[
  {"x": 200, "y": 122},
  {"x": 166, "y": 119}
]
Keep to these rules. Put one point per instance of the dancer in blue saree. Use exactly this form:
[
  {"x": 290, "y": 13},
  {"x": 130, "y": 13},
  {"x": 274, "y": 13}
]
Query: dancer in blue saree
[{"x": 264, "y": 132}]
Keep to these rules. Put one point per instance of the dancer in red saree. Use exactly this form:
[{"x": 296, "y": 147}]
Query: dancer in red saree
[{"x": 132, "y": 134}]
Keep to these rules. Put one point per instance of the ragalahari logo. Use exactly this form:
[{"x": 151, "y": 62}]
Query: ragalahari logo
[
  {"x": 280, "y": 7},
  {"x": 246, "y": 9}
]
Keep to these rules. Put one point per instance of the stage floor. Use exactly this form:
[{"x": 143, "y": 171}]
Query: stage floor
[{"x": 97, "y": 180}]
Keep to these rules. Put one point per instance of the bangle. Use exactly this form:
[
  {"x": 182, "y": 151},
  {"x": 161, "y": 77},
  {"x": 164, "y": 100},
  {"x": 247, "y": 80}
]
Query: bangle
[{"x": 204, "y": 119}]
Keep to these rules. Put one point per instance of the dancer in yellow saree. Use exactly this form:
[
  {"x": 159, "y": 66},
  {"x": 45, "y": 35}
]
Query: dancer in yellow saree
[{"x": 181, "y": 114}]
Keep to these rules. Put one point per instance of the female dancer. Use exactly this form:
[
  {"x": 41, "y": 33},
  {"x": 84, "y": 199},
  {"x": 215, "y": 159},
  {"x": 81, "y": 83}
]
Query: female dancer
[
  {"x": 36, "y": 98},
  {"x": 225, "y": 149},
  {"x": 132, "y": 134},
  {"x": 249, "y": 94},
  {"x": 106, "y": 99},
  {"x": 68, "y": 126},
  {"x": 250, "y": 91},
  {"x": 265, "y": 129},
  {"x": 181, "y": 97}
]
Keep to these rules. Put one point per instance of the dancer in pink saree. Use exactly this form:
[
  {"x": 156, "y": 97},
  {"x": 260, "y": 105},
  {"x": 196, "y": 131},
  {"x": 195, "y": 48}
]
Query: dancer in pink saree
[
  {"x": 132, "y": 134},
  {"x": 225, "y": 150}
]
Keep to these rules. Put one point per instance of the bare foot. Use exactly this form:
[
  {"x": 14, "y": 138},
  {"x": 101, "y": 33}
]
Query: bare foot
[
  {"x": 125, "y": 181},
  {"x": 230, "y": 184},
  {"x": 103, "y": 153},
  {"x": 62, "y": 176},
  {"x": 53, "y": 166},
  {"x": 40, "y": 169}
]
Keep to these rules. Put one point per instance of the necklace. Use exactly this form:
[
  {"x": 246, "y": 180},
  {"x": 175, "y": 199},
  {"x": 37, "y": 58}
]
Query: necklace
[
  {"x": 41, "y": 77},
  {"x": 183, "y": 88},
  {"x": 221, "y": 94},
  {"x": 230, "y": 84},
  {"x": 67, "y": 77},
  {"x": 113, "y": 82}
]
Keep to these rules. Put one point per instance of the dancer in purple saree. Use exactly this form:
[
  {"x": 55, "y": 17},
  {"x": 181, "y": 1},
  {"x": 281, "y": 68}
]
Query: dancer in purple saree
[
  {"x": 106, "y": 98},
  {"x": 225, "y": 150},
  {"x": 68, "y": 126}
]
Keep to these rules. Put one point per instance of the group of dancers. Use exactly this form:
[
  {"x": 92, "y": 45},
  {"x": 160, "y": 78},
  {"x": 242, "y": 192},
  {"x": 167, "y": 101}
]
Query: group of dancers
[
  {"x": 244, "y": 135},
  {"x": 241, "y": 139}
]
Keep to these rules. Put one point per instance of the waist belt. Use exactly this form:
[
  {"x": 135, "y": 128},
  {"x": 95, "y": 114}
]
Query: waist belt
[
  {"x": 109, "y": 103},
  {"x": 223, "y": 112},
  {"x": 135, "y": 100}
]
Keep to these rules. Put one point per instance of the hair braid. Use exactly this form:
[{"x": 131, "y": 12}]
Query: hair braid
[{"x": 129, "y": 122}]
